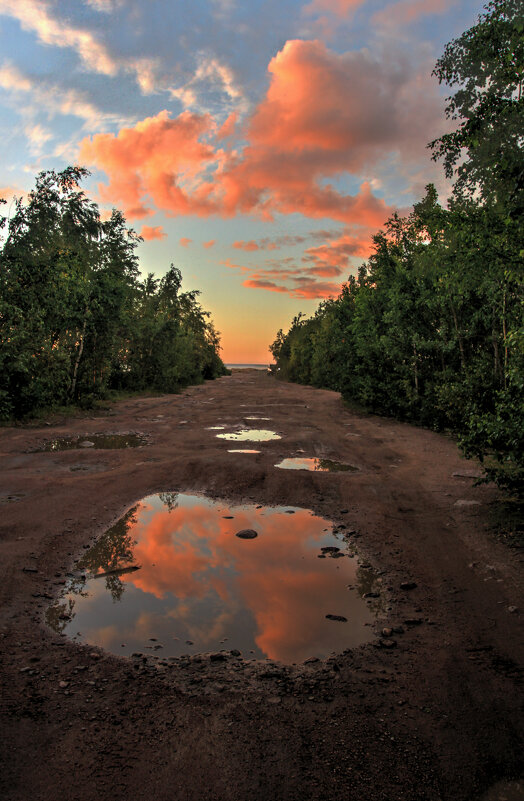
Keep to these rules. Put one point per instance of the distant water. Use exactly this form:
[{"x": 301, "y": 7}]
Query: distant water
[{"x": 246, "y": 366}]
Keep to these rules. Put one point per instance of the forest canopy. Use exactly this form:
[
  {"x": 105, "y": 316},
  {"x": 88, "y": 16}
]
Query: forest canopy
[
  {"x": 76, "y": 318},
  {"x": 431, "y": 329}
]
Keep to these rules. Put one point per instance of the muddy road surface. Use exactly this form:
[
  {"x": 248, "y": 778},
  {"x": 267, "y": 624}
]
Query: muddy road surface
[{"x": 429, "y": 708}]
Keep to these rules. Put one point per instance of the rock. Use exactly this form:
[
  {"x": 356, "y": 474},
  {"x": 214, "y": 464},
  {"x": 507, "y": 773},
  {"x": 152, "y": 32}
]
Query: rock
[
  {"x": 462, "y": 503},
  {"x": 247, "y": 534},
  {"x": 235, "y": 652},
  {"x": 63, "y": 684},
  {"x": 330, "y": 549},
  {"x": 87, "y": 444},
  {"x": 408, "y": 585},
  {"x": 321, "y": 556},
  {"x": 311, "y": 660},
  {"x": 337, "y": 555},
  {"x": 340, "y": 618},
  {"x": 30, "y": 570},
  {"x": 371, "y": 595},
  {"x": 387, "y": 632},
  {"x": 388, "y": 643},
  {"x": 513, "y": 609},
  {"x": 217, "y": 657}
]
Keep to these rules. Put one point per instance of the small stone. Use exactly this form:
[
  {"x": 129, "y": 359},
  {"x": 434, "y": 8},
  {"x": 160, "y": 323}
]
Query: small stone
[
  {"x": 63, "y": 684},
  {"x": 371, "y": 595},
  {"x": 217, "y": 657},
  {"x": 235, "y": 652},
  {"x": 413, "y": 621},
  {"x": 513, "y": 609},
  {"x": 388, "y": 643},
  {"x": 247, "y": 534},
  {"x": 339, "y": 618},
  {"x": 337, "y": 555},
  {"x": 87, "y": 444},
  {"x": 387, "y": 632},
  {"x": 330, "y": 549},
  {"x": 311, "y": 660},
  {"x": 408, "y": 585}
]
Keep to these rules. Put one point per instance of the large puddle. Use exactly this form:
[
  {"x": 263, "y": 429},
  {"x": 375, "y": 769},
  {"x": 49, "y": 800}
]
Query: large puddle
[
  {"x": 250, "y": 435},
  {"x": 101, "y": 441},
  {"x": 173, "y": 577},
  {"x": 313, "y": 463}
]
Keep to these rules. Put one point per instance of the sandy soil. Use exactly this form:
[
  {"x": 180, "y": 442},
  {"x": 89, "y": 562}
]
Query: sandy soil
[{"x": 438, "y": 716}]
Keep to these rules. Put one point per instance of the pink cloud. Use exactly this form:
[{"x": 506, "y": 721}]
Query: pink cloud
[
  {"x": 185, "y": 242},
  {"x": 209, "y": 244},
  {"x": 315, "y": 124},
  {"x": 149, "y": 232},
  {"x": 256, "y": 283},
  {"x": 332, "y": 258},
  {"x": 241, "y": 245}
]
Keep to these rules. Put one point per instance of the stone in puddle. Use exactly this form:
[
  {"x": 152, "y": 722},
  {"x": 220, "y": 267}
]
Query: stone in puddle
[
  {"x": 247, "y": 534},
  {"x": 340, "y": 618},
  {"x": 330, "y": 549}
]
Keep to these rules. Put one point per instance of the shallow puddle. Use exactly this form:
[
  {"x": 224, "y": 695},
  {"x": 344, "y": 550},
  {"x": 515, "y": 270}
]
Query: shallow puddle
[
  {"x": 250, "y": 435},
  {"x": 242, "y": 450},
  {"x": 319, "y": 465},
  {"x": 173, "y": 577},
  {"x": 97, "y": 441}
]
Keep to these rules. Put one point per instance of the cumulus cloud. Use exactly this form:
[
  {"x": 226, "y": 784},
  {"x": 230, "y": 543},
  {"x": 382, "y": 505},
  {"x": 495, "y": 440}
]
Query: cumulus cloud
[
  {"x": 210, "y": 76},
  {"x": 325, "y": 115},
  {"x": 149, "y": 232}
]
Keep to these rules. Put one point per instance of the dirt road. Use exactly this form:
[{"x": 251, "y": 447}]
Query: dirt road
[{"x": 437, "y": 716}]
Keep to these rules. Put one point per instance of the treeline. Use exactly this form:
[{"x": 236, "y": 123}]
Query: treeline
[
  {"x": 431, "y": 330},
  {"x": 76, "y": 320}
]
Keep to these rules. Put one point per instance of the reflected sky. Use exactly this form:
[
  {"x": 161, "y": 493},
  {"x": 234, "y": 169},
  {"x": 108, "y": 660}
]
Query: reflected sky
[
  {"x": 201, "y": 588},
  {"x": 316, "y": 464},
  {"x": 250, "y": 435}
]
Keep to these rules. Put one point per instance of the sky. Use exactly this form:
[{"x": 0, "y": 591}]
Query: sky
[{"x": 257, "y": 145}]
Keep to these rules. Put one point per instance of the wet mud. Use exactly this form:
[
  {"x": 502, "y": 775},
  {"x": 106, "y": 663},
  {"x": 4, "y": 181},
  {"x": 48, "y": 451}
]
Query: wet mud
[{"x": 430, "y": 708}]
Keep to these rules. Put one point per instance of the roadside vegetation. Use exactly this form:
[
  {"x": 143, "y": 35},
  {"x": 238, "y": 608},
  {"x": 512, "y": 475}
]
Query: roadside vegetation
[
  {"x": 431, "y": 329},
  {"x": 76, "y": 319}
]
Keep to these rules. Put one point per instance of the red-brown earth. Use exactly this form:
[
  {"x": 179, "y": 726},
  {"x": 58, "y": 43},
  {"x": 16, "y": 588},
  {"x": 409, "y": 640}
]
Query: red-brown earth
[{"x": 438, "y": 715}]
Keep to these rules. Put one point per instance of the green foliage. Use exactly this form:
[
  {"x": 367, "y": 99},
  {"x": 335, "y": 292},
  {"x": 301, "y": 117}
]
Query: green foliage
[
  {"x": 432, "y": 329},
  {"x": 76, "y": 320}
]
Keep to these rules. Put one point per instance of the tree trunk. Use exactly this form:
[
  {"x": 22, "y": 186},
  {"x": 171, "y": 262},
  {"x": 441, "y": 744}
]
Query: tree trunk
[{"x": 79, "y": 355}]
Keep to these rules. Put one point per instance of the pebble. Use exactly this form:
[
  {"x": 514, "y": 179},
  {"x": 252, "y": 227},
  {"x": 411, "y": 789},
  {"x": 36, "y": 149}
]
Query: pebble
[
  {"x": 408, "y": 585},
  {"x": 247, "y": 534},
  {"x": 339, "y": 618},
  {"x": 63, "y": 684},
  {"x": 513, "y": 609},
  {"x": 87, "y": 444}
]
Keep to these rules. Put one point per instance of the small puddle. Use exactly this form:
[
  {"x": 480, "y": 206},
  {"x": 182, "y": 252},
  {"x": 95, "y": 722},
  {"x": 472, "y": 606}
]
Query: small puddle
[
  {"x": 257, "y": 418},
  {"x": 250, "y": 435},
  {"x": 319, "y": 465},
  {"x": 97, "y": 441},
  {"x": 215, "y": 428},
  {"x": 242, "y": 450},
  {"x": 173, "y": 577}
]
